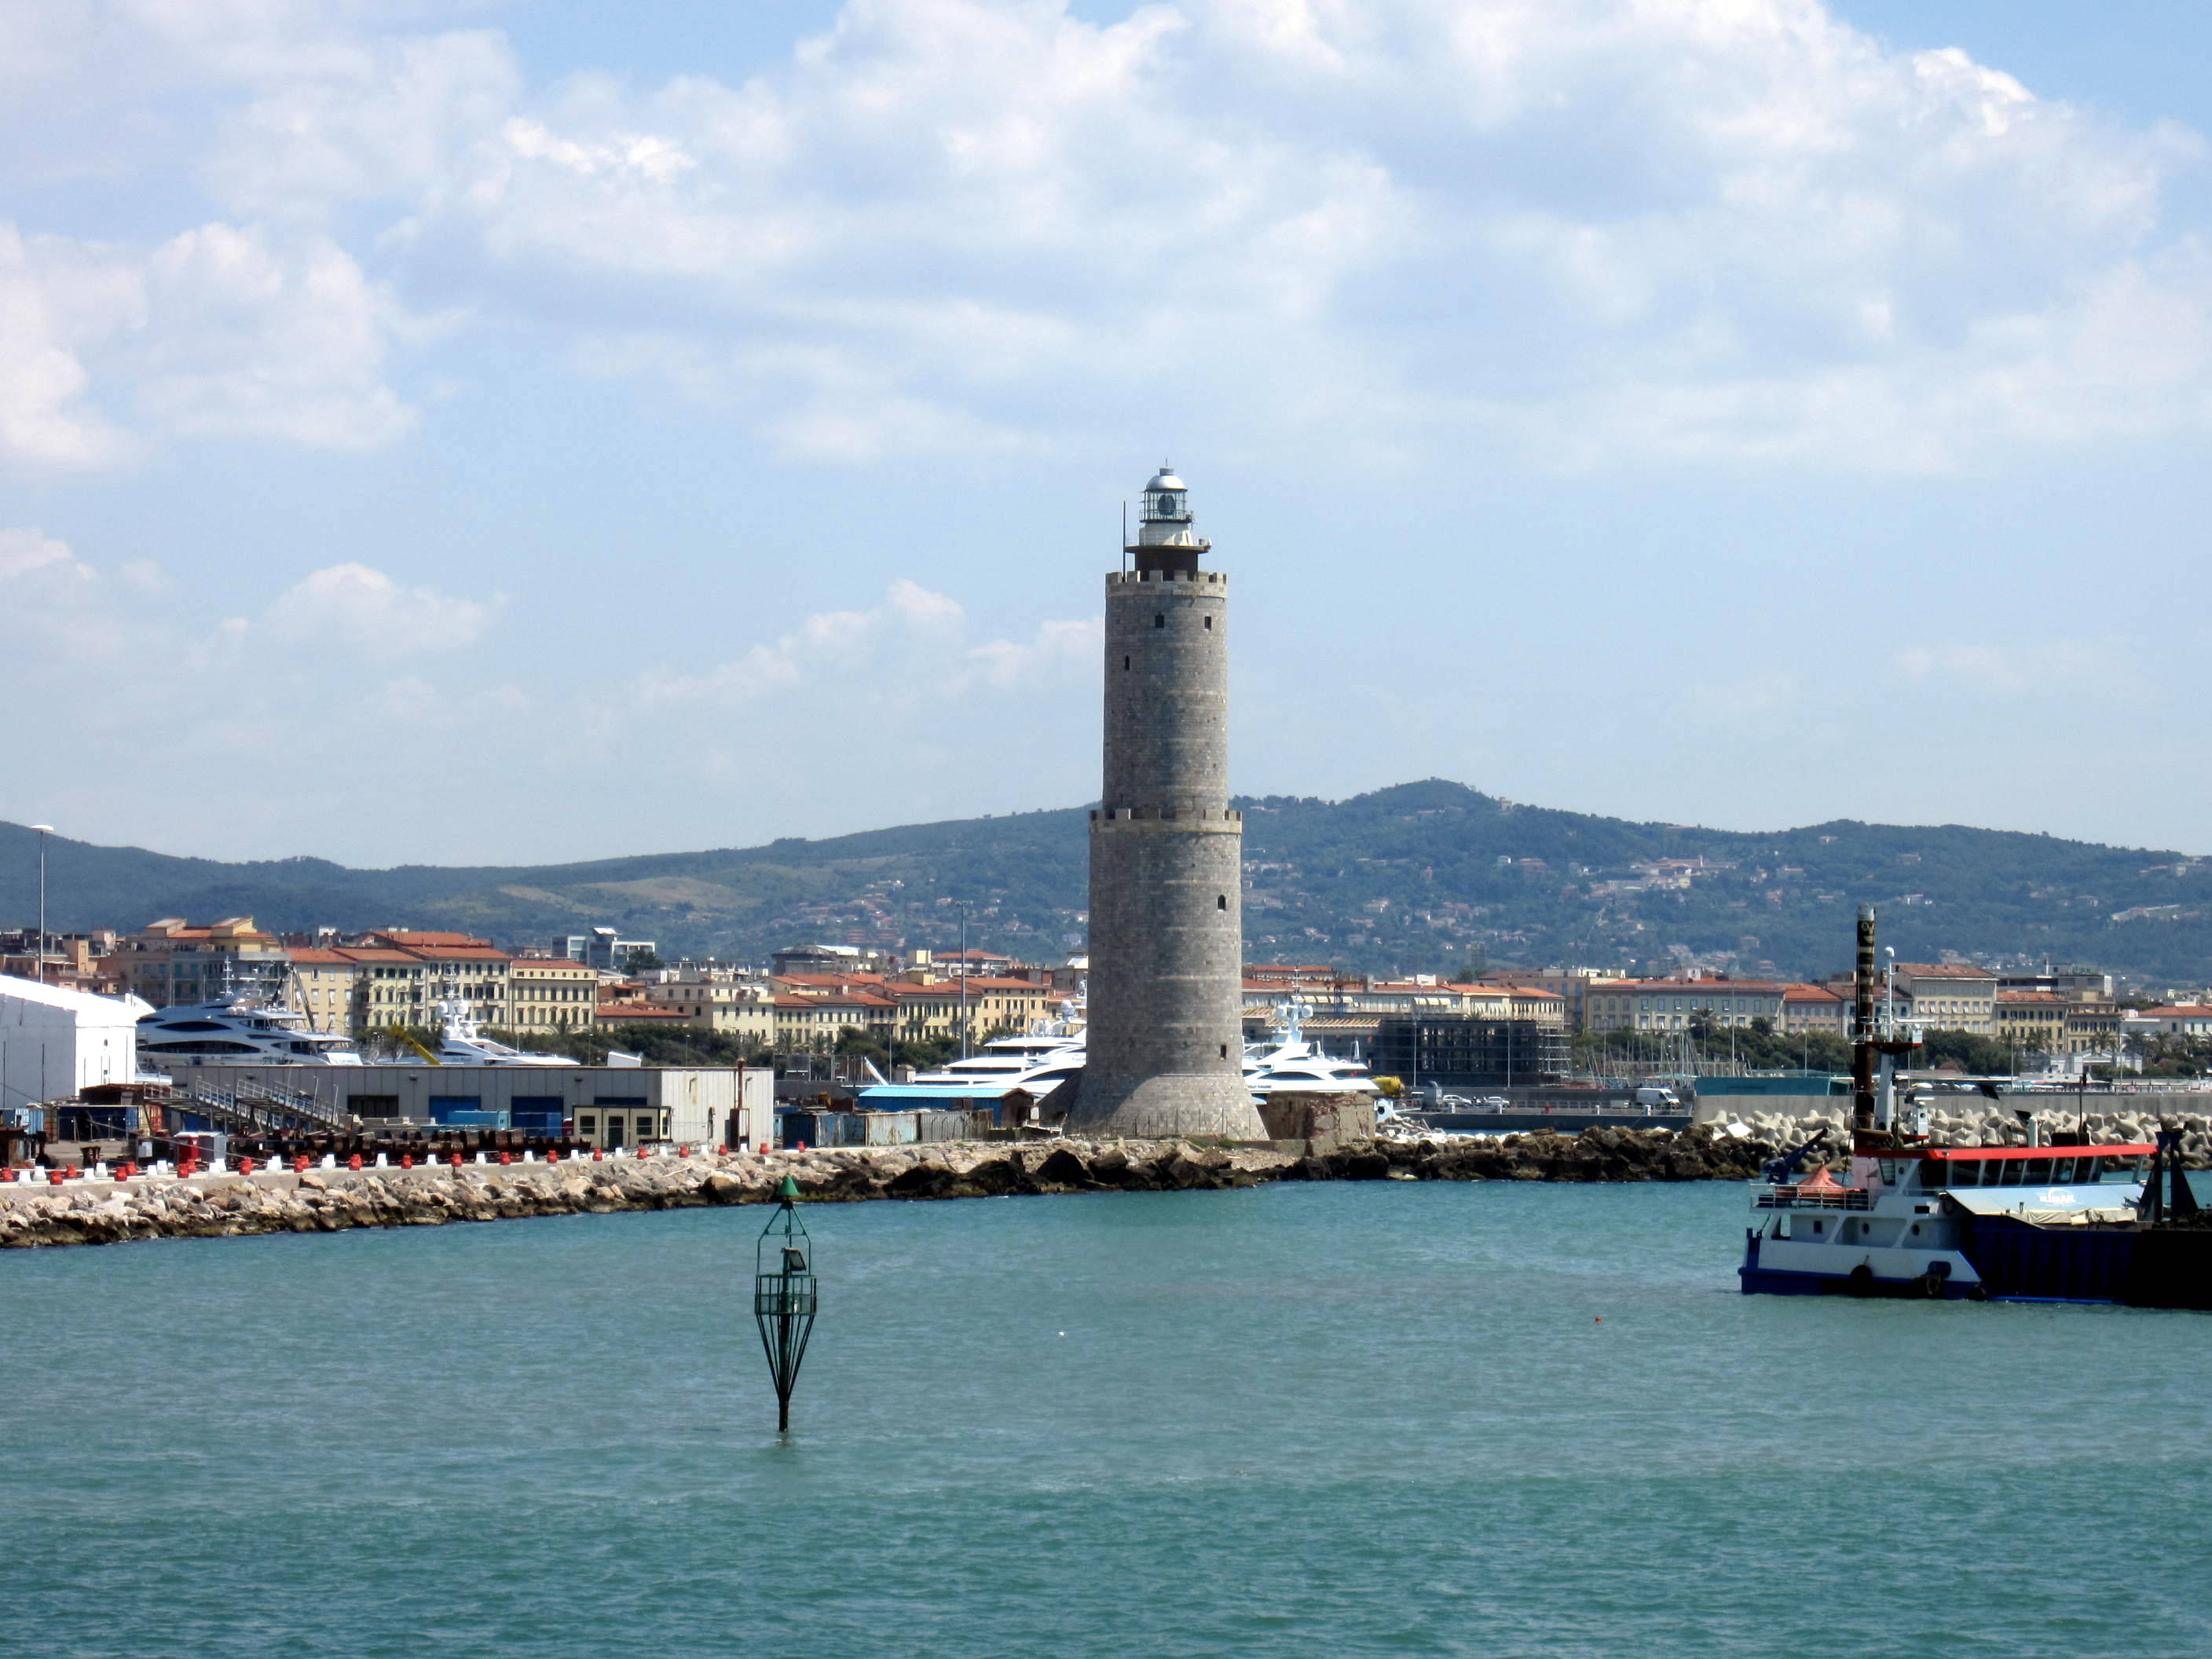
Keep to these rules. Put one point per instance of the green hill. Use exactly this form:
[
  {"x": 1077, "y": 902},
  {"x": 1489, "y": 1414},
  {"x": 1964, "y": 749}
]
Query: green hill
[{"x": 1416, "y": 877}]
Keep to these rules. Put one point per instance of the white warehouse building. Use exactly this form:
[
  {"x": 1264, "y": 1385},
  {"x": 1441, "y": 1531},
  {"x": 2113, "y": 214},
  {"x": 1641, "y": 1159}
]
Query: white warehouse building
[{"x": 54, "y": 1043}]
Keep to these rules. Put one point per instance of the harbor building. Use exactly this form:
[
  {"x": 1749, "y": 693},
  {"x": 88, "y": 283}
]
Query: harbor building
[
  {"x": 55, "y": 1043},
  {"x": 1166, "y": 1031},
  {"x": 606, "y": 1106}
]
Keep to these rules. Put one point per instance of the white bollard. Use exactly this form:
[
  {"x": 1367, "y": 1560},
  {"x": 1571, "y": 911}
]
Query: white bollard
[
  {"x": 330, "y": 1161},
  {"x": 480, "y": 1157},
  {"x": 382, "y": 1163}
]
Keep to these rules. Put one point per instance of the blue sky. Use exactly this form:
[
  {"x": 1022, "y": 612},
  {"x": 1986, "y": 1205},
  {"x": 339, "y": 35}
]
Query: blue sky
[{"x": 469, "y": 432}]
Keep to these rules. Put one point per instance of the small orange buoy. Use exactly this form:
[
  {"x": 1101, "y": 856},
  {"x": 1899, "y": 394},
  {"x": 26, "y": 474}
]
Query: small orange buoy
[{"x": 1601, "y": 1319}]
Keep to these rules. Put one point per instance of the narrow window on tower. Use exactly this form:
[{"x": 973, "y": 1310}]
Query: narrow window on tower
[
  {"x": 1209, "y": 624},
  {"x": 1125, "y": 664},
  {"x": 1221, "y": 901},
  {"x": 1225, "y": 1051},
  {"x": 1159, "y": 619}
]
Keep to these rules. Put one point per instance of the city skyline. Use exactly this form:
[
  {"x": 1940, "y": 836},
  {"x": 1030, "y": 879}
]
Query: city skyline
[{"x": 705, "y": 428}]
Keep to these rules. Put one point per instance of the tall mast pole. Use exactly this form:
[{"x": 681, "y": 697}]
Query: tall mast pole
[{"x": 1862, "y": 1087}]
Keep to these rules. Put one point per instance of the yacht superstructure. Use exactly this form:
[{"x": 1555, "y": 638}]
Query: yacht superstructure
[
  {"x": 1291, "y": 1065},
  {"x": 235, "y": 1028},
  {"x": 1041, "y": 1060}
]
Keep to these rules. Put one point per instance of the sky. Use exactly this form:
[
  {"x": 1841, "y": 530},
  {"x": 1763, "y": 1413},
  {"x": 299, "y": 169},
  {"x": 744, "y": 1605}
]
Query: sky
[{"x": 508, "y": 431}]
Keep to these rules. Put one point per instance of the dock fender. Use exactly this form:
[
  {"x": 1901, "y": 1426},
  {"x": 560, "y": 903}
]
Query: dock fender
[{"x": 1859, "y": 1281}]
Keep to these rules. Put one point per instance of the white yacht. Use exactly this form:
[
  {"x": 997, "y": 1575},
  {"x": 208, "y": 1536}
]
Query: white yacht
[
  {"x": 1044, "y": 1059},
  {"x": 1037, "y": 1062},
  {"x": 1291, "y": 1065},
  {"x": 462, "y": 1042},
  {"x": 233, "y": 1027}
]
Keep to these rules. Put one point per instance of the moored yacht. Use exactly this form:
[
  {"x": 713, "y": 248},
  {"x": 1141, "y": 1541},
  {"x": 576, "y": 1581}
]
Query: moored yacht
[
  {"x": 233, "y": 1027},
  {"x": 1036, "y": 1063},
  {"x": 1040, "y": 1061},
  {"x": 461, "y": 1042},
  {"x": 1291, "y": 1065}
]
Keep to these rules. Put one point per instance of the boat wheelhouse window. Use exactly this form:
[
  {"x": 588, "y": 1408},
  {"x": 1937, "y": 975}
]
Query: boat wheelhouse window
[{"x": 2035, "y": 1172}]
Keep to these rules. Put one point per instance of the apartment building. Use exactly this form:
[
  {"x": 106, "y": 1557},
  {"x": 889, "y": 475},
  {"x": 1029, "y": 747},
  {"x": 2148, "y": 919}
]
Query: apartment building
[
  {"x": 551, "y": 994},
  {"x": 812, "y": 1023},
  {"x": 1815, "y": 1008},
  {"x": 171, "y": 960},
  {"x": 1670, "y": 1004},
  {"x": 325, "y": 986},
  {"x": 461, "y": 969},
  {"x": 2033, "y": 1021},
  {"x": 1951, "y": 996},
  {"x": 730, "y": 1006}
]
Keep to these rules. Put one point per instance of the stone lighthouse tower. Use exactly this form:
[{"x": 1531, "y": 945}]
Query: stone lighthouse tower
[{"x": 1166, "y": 1043}]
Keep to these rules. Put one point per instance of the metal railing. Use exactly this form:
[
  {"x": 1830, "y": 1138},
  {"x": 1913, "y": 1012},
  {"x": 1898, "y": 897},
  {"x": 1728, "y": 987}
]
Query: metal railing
[
  {"x": 1796, "y": 1198},
  {"x": 252, "y": 1107}
]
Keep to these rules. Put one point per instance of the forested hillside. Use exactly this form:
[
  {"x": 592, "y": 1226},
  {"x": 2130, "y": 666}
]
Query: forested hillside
[{"x": 1423, "y": 877}]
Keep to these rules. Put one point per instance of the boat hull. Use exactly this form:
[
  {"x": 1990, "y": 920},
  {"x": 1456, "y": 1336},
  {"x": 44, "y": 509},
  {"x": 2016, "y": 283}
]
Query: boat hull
[
  {"x": 1785, "y": 1281},
  {"x": 2016, "y": 1260}
]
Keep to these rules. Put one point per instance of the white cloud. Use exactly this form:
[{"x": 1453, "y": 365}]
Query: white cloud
[
  {"x": 2110, "y": 667},
  {"x": 43, "y": 418},
  {"x": 223, "y": 330},
  {"x": 246, "y": 339},
  {"x": 909, "y": 650},
  {"x": 1577, "y": 231},
  {"x": 31, "y": 552},
  {"x": 364, "y": 609}
]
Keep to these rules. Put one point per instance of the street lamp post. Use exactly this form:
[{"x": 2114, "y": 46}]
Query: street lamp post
[
  {"x": 965, "y": 906},
  {"x": 44, "y": 830}
]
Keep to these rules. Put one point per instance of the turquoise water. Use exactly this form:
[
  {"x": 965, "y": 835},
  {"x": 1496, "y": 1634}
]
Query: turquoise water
[{"x": 1298, "y": 1420}]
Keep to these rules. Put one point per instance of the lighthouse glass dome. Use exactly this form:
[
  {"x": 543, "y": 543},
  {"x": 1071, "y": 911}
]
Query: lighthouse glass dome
[{"x": 1166, "y": 498}]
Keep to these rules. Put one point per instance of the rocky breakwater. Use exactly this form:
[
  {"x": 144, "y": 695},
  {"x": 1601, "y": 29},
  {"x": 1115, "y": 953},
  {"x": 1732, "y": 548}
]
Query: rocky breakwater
[
  {"x": 328, "y": 1201},
  {"x": 2126, "y": 1120}
]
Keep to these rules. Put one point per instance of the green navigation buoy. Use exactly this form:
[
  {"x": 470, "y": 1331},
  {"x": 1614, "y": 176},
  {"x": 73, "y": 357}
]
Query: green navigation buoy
[{"x": 784, "y": 1295}]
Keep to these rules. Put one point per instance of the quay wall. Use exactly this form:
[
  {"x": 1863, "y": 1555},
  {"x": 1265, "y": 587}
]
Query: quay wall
[{"x": 328, "y": 1200}]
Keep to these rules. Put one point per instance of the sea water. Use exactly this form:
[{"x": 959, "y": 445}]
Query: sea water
[{"x": 1380, "y": 1419}]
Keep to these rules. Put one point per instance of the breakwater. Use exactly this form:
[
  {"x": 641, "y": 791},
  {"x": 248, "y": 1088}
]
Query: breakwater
[
  {"x": 2123, "y": 1119},
  {"x": 328, "y": 1200}
]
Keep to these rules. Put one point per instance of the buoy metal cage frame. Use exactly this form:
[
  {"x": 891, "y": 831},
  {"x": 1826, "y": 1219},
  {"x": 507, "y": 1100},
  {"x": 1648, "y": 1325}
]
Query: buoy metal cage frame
[{"x": 784, "y": 1297}]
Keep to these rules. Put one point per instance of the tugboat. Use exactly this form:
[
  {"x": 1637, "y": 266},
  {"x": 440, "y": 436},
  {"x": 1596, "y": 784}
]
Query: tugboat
[{"x": 2066, "y": 1221}]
